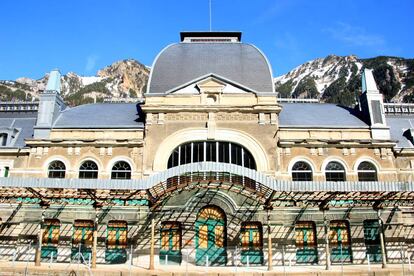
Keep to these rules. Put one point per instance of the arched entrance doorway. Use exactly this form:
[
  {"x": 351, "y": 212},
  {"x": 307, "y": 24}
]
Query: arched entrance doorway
[{"x": 211, "y": 236}]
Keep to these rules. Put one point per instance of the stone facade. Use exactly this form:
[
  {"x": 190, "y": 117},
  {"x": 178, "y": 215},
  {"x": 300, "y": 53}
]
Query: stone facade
[{"x": 219, "y": 112}]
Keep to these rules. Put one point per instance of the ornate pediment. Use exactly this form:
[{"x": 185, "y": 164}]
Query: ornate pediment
[{"x": 211, "y": 84}]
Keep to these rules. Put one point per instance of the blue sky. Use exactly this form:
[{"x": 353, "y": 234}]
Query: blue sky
[{"x": 86, "y": 35}]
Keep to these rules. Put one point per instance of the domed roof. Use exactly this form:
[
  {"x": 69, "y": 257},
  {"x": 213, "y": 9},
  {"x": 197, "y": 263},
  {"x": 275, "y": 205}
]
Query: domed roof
[{"x": 184, "y": 62}]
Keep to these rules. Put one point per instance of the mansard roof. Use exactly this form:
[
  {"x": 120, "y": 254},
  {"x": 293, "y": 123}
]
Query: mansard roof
[
  {"x": 319, "y": 115},
  {"x": 100, "y": 115},
  {"x": 183, "y": 62},
  {"x": 17, "y": 120},
  {"x": 401, "y": 129},
  {"x": 19, "y": 128}
]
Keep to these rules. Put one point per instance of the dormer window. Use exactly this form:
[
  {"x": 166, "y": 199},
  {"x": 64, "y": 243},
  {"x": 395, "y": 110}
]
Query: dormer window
[{"x": 3, "y": 139}]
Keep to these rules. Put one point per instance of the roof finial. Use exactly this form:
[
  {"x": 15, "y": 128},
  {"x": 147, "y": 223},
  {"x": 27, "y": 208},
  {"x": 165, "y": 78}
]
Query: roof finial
[{"x": 209, "y": 4}]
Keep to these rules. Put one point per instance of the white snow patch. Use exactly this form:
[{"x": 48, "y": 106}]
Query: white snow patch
[{"x": 90, "y": 80}]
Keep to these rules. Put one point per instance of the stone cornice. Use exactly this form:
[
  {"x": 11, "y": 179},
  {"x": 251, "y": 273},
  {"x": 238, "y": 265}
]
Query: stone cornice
[
  {"x": 85, "y": 142},
  {"x": 355, "y": 143}
]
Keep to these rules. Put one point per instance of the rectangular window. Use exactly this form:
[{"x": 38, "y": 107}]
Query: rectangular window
[
  {"x": 306, "y": 248},
  {"x": 219, "y": 235},
  {"x": 88, "y": 174},
  {"x": 170, "y": 236},
  {"x": 224, "y": 152},
  {"x": 257, "y": 239},
  {"x": 305, "y": 234},
  {"x": 371, "y": 232},
  {"x": 185, "y": 155},
  {"x": 251, "y": 233},
  {"x": 165, "y": 241},
  {"x": 340, "y": 241},
  {"x": 236, "y": 155},
  {"x": 83, "y": 233},
  {"x": 203, "y": 236},
  {"x": 6, "y": 171},
  {"x": 245, "y": 240},
  {"x": 3, "y": 139},
  {"x": 339, "y": 233},
  {"x": 176, "y": 239},
  {"x": 335, "y": 176},
  {"x": 372, "y": 240},
  {"x": 301, "y": 176},
  {"x": 198, "y": 152},
  {"x": 211, "y": 151},
  {"x": 51, "y": 232},
  {"x": 117, "y": 234}
]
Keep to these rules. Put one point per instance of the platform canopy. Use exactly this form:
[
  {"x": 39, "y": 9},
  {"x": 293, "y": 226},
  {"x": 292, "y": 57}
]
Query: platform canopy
[{"x": 206, "y": 175}]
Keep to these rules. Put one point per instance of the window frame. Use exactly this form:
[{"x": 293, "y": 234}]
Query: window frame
[
  {"x": 127, "y": 172},
  {"x": 86, "y": 227},
  {"x": 4, "y": 136},
  {"x": 53, "y": 173},
  {"x": 225, "y": 152},
  {"x": 299, "y": 226},
  {"x": 170, "y": 232},
  {"x": 296, "y": 172},
  {"x": 251, "y": 228},
  {"x": 120, "y": 227},
  {"x": 334, "y": 174},
  {"x": 84, "y": 172},
  {"x": 51, "y": 227},
  {"x": 371, "y": 175}
]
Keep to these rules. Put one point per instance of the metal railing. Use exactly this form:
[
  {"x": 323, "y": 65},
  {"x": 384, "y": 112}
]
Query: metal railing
[{"x": 201, "y": 167}]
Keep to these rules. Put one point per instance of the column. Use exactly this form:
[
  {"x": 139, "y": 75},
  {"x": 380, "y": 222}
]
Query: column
[
  {"x": 327, "y": 250},
  {"x": 95, "y": 240},
  {"x": 151, "y": 265},
  {"x": 38, "y": 254},
  {"x": 382, "y": 241},
  {"x": 269, "y": 244}
]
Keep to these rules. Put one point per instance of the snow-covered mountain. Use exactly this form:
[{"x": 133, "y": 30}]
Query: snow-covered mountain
[
  {"x": 120, "y": 80},
  {"x": 338, "y": 78},
  {"x": 335, "y": 79}
]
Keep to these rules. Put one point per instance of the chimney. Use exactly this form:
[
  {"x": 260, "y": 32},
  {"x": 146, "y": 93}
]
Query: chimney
[
  {"x": 50, "y": 105},
  {"x": 372, "y": 107}
]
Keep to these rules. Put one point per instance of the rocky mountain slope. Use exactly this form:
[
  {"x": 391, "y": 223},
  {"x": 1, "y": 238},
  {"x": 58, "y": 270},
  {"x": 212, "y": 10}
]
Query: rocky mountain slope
[
  {"x": 337, "y": 79},
  {"x": 334, "y": 79},
  {"x": 124, "y": 79}
]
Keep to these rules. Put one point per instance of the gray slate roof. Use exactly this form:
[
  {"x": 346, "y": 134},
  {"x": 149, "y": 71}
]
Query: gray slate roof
[
  {"x": 101, "y": 115},
  {"x": 319, "y": 115},
  {"x": 398, "y": 127},
  {"x": 24, "y": 127},
  {"x": 181, "y": 63}
]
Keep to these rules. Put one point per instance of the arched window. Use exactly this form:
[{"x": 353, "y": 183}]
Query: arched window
[
  {"x": 367, "y": 172},
  {"x": 301, "y": 171},
  {"x": 56, "y": 169},
  {"x": 223, "y": 152},
  {"x": 334, "y": 171},
  {"x": 88, "y": 170},
  {"x": 121, "y": 170}
]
